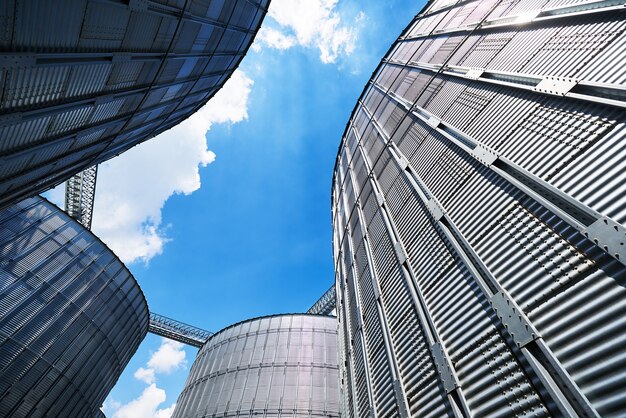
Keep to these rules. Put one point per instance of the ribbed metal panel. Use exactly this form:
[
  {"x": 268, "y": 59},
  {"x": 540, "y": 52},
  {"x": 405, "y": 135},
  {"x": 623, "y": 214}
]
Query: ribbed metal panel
[
  {"x": 72, "y": 67},
  {"x": 284, "y": 365},
  {"x": 71, "y": 314},
  {"x": 479, "y": 193},
  {"x": 348, "y": 374},
  {"x": 596, "y": 178},
  {"x": 426, "y": 397}
]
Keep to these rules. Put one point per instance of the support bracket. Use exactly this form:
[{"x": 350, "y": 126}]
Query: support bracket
[
  {"x": 556, "y": 85},
  {"x": 513, "y": 319},
  {"x": 397, "y": 389},
  {"x": 400, "y": 252},
  {"x": 444, "y": 369},
  {"x": 435, "y": 209},
  {"x": 609, "y": 235}
]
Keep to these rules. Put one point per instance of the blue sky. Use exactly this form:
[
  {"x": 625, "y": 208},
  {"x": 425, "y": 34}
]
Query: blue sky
[{"x": 236, "y": 224}]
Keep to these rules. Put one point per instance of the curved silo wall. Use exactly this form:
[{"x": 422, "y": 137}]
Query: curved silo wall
[
  {"x": 85, "y": 80},
  {"x": 284, "y": 365},
  {"x": 478, "y": 211},
  {"x": 71, "y": 314}
]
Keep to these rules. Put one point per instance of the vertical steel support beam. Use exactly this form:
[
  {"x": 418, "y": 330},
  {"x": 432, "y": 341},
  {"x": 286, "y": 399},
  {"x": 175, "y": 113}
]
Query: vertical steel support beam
[
  {"x": 437, "y": 349},
  {"x": 400, "y": 392},
  {"x": 357, "y": 295},
  {"x": 342, "y": 312},
  {"x": 350, "y": 358}
]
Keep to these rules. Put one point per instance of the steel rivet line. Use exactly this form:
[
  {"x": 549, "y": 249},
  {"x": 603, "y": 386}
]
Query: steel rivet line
[
  {"x": 62, "y": 175},
  {"x": 439, "y": 355},
  {"x": 346, "y": 357},
  {"x": 445, "y": 370},
  {"x": 76, "y": 103},
  {"x": 340, "y": 268},
  {"x": 381, "y": 318},
  {"x": 17, "y": 60},
  {"x": 164, "y": 10},
  {"x": 362, "y": 348},
  {"x": 74, "y": 133}
]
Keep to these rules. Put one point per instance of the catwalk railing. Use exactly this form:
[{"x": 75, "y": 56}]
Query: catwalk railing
[
  {"x": 177, "y": 331},
  {"x": 80, "y": 191},
  {"x": 324, "y": 305}
]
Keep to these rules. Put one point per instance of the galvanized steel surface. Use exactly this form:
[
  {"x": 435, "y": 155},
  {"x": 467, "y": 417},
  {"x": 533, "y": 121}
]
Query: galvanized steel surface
[
  {"x": 278, "y": 366},
  {"x": 83, "y": 81},
  {"x": 71, "y": 314},
  {"x": 478, "y": 209}
]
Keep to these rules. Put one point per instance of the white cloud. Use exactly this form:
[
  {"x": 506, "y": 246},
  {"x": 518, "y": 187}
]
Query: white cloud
[
  {"x": 169, "y": 357},
  {"x": 146, "y": 405},
  {"x": 110, "y": 405},
  {"x": 273, "y": 38},
  {"x": 165, "y": 413},
  {"x": 312, "y": 24},
  {"x": 133, "y": 187},
  {"x": 145, "y": 375}
]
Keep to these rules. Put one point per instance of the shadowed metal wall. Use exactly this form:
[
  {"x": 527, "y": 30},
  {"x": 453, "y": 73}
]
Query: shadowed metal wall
[
  {"x": 478, "y": 207},
  {"x": 71, "y": 314},
  {"x": 278, "y": 366},
  {"x": 83, "y": 81}
]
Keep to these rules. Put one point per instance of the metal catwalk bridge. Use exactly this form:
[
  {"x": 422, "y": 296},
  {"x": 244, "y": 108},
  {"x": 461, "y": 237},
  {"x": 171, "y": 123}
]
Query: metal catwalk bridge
[
  {"x": 80, "y": 191},
  {"x": 178, "y": 331},
  {"x": 326, "y": 304}
]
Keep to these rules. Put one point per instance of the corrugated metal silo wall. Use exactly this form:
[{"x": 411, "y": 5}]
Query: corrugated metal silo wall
[
  {"x": 83, "y": 81},
  {"x": 479, "y": 201},
  {"x": 71, "y": 314},
  {"x": 279, "y": 366}
]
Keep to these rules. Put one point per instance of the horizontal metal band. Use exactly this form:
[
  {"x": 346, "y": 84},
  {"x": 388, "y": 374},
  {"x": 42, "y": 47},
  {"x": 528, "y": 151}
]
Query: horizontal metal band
[
  {"x": 604, "y": 93},
  {"x": 566, "y": 11}
]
